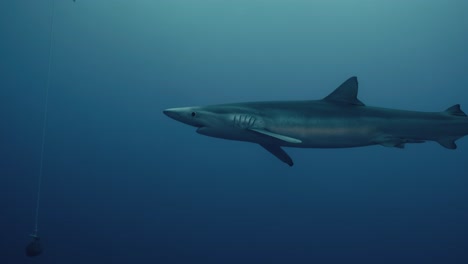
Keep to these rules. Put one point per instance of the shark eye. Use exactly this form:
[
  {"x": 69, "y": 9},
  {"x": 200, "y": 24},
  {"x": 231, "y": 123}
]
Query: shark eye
[{"x": 193, "y": 114}]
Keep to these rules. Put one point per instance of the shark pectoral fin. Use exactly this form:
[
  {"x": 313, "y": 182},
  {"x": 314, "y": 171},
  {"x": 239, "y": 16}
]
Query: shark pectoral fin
[
  {"x": 277, "y": 136},
  {"x": 448, "y": 143},
  {"x": 278, "y": 152}
]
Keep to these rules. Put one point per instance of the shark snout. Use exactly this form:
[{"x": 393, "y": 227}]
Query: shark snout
[
  {"x": 176, "y": 113},
  {"x": 185, "y": 115},
  {"x": 170, "y": 112}
]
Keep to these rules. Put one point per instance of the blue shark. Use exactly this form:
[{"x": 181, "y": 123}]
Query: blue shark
[{"x": 340, "y": 120}]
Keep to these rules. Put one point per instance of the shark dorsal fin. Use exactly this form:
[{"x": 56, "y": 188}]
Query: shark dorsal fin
[
  {"x": 455, "y": 110},
  {"x": 346, "y": 93}
]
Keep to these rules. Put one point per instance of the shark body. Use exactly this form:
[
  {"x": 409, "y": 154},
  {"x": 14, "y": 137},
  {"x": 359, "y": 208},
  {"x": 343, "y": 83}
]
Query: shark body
[{"x": 339, "y": 120}]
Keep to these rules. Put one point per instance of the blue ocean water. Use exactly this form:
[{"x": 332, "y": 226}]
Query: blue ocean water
[{"x": 125, "y": 184}]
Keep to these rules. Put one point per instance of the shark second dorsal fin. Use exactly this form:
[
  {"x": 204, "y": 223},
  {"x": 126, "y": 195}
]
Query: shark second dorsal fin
[
  {"x": 455, "y": 110},
  {"x": 346, "y": 93}
]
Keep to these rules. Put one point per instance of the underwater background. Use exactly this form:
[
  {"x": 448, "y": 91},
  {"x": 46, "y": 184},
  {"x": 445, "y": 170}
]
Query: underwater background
[{"x": 123, "y": 183}]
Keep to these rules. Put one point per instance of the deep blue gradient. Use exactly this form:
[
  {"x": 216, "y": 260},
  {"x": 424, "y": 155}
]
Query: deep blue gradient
[{"x": 125, "y": 184}]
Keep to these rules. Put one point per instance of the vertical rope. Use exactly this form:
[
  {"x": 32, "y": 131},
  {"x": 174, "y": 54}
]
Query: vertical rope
[{"x": 44, "y": 124}]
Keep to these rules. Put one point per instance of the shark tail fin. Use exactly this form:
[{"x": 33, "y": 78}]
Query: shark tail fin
[{"x": 455, "y": 110}]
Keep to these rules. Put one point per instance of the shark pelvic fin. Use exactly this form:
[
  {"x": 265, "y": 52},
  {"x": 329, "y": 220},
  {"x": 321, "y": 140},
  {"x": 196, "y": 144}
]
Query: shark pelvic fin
[
  {"x": 455, "y": 110},
  {"x": 448, "y": 143},
  {"x": 396, "y": 142},
  {"x": 278, "y": 152},
  {"x": 277, "y": 136},
  {"x": 346, "y": 93}
]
